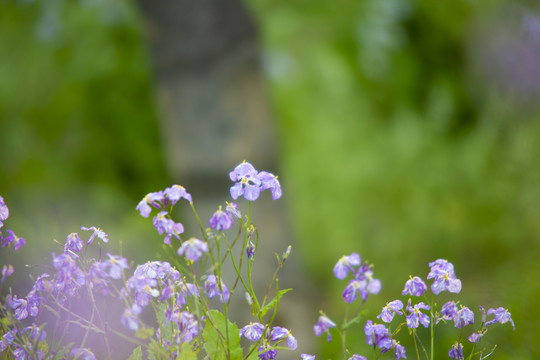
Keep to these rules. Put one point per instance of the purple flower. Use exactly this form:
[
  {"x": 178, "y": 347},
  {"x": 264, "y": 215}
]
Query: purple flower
[
  {"x": 456, "y": 351},
  {"x": 279, "y": 333},
  {"x": 97, "y": 232},
  {"x": 266, "y": 353},
  {"x": 416, "y": 316},
  {"x": 116, "y": 264},
  {"x": 270, "y": 181},
  {"x": 357, "y": 357},
  {"x": 389, "y": 310},
  {"x": 345, "y": 264},
  {"x": 221, "y": 220},
  {"x": 83, "y": 354},
  {"x": 377, "y": 335},
  {"x": 13, "y": 239},
  {"x": 188, "y": 326},
  {"x": 323, "y": 325},
  {"x": 501, "y": 316},
  {"x": 463, "y": 317},
  {"x": 7, "y": 271},
  {"x": 164, "y": 224},
  {"x": 247, "y": 181},
  {"x": 444, "y": 278},
  {"x": 129, "y": 318},
  {"x": 363, "y": 283},
  {"x": 250, "y": 251},
  {"x": 73, "y": 243},
  {"x": 252, "y": 331},
  {"x": 4, "y": 211},
  {"x": 307, "y": 357},
  {"x": 150, "y": 199},
  {"x": 177, "y": 192},
  {"x": 475, "y": 337},
  {"x": 449, "y": 310},
  {"x": 214, "y": 289},
  {"x": 415, "y": 286},
  {"x": 399, "y": 350},
  {"x": 7, "y": 339},
  {"x": 193, "y": 249},
  {"x": 232, "y": 208}
]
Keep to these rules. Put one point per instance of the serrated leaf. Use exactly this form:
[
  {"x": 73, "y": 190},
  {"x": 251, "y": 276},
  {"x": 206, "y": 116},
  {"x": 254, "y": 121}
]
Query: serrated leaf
[
  {"x": 136, "y": 354},
  {"x": 216, "y": 343},
  {"x": 272, "y": 302}
]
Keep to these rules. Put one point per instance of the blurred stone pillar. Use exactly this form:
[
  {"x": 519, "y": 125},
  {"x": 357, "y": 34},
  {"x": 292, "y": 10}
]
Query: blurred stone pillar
[{"x": 215, "y": 114}]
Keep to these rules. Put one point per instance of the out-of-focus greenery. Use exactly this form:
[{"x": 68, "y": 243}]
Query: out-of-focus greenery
[
  {"x": 396, "y": 142},
  {"x": 78, "y": 128}
]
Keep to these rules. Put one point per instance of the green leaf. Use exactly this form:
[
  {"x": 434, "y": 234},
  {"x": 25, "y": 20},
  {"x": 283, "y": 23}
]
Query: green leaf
[
  {"x": 136, "y": 354},
  {"x": 187, "y": 352},
  {"x": 216, "y": 343},
  {"x": 144, "y": 332},
  {"x": 272, "y": 302},
  {"x": 62, "y": 352}
]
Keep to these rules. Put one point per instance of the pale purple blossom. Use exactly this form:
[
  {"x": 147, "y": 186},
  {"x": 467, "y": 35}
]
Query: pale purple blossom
[
  {"x": 97, "y": 232},
  {"x": 389, "y": 310},
  {"x": 357, "y": 357},
  {"x": 247, "y": 182},
  {"x": 475, "y": 337},
  {"x": 221, "y": 220},
  {"x": 456, "y": 351},
  {"x": 279, "y": 333},
  {"x": 501, "y": 315},
  {"x": 323, "y": 326},
  {"x": 177, "y": 192},
  {"x": 270, "y": 181},
  {"x": 415, "y": 286},
  {"x": 252, "y": 331},
  {"x": 377, "y": 335},
  {"x": 444, "y": 277},
  {"x": 193, "y": 249},
  {"x": 463, "y": 317},
  {"x": 346, "y": 264},
  {"x": 154, "y": 199},
  {"x": 73, "y": 243},
  {"x": 417, "y": 317},
  {"x": 7, "y": 271},
  {"x": 213, "y": 288}
]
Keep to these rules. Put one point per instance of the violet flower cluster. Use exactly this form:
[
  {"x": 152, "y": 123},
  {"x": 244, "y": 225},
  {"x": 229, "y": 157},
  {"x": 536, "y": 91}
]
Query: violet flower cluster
[
  {"x": 411, "y": 314},
  {"x": 189, "y": 295}
]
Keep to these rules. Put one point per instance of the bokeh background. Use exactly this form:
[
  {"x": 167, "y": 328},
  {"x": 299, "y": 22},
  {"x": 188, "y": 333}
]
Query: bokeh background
[{"x": 407, "y": 130}]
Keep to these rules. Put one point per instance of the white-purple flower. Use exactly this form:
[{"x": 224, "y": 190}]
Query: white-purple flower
[
  {"x": 177, "y": 192},
  {"x": 163, "y": 224},
  {"x": 323, "y": 325},
  {"x": 154, "y": 199},
  {"x": 307, "y": 357},
  {"x": 115, "y": 265},
  {"x": 73, "y": 243},
  {"x": 247, "y": 182},
  {"x": 456, "y": 351},
  {"x": 463, "y": 317},
  {"x": 279, "y": 333},
  {"x": 501, "y": 315},
  {"x": 97, "y": 232},
  {"x": 4, "y": 211},
  {"x": 7, "y": 271},
  {"x": 417, "y": 317},
  {"x": 357, "y": 357},
  {"x": 377, "y": 335},
  {"x": 388, "y": 311},
  {"x": 270, "y": 181},
  {"x": 221, "y": 220},
  {"x": 449, "y": 310},
  {"x": 213, "y": 288},
  {"x": 475, "y": 337},
  {"x": 415, "y": 286},
  {"x": 193, "y": 249},
  {"x": 252, "y": 331},
  {"x": 444, "y": 277},
  {"x": 345, "y": 264}
]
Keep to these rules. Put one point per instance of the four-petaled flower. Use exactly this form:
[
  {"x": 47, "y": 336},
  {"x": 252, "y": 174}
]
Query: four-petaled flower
[
  {"x": 213, "y": 288},
  {"x": 345, "y": 264},
  {"x": 415, "y": 286},
  {"x": 96, "y": 232},
  {"x": 323, "y": 325},
  {"x": 417, "y": 317},
  {"x": 270, "y": 181},
  {"x": 456, "y": 351},
  {"x": 279, "y": 333},
  {"x": 377, "y": 335},
  {"x": 73, "y": 243},
  {"x": 389, "y": 310},
  {"x": 252, "y": 331},
  {"x": 444, "y": 277},
  {"x": 221, "y": 220},
  {"x": 501, "y": 316},
  {"x": 463, "y": 317},
  {"x": 193, "y": 249},
  {"x": 247, "y": 182}
]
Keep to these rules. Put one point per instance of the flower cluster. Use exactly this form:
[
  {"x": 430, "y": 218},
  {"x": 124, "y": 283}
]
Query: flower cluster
[
  {"x": 413, "y": 314},
  {"x": 362, "y": 282}
]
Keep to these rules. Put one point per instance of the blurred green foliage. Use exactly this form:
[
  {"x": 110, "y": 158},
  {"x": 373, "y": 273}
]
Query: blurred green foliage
[{"x": 394, "y": 144}]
